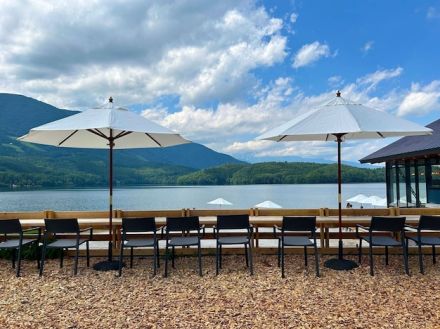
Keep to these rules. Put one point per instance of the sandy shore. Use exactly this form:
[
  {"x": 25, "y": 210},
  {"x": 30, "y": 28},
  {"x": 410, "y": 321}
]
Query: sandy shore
[{"x": 231, "y": 300}]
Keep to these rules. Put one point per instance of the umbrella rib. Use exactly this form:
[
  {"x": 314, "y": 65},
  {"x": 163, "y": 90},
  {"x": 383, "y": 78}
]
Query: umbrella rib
[
  {"x": 122, "y": 134},
  {"x": 380, "y": 134},
  {"x": 153, "y": 139},
  {"x": 98, "y": 133},
  {"x": 282, "y": 138},
  {"x": 65, "y": 139}
]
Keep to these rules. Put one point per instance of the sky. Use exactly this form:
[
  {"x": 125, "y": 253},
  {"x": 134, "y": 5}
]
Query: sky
[{"x": 223, "y": 72}]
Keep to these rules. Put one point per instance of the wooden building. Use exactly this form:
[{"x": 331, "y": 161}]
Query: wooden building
[{"x": 412, "y": 169}]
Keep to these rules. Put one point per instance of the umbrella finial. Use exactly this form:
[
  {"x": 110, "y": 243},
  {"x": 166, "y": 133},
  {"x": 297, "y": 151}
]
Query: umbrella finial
[
  {"x": 110, "y": 100},
  {"x": 338, "y": 94}
]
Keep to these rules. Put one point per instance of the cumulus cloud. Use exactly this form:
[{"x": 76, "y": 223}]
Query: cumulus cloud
[
  {"x": 373, "y": 79},
  {"x": 421, "y": 99},
  {"x": 293, "y": 18},
  {"x": 310, "y": 53},
  {"x": 76, "y": 53}
]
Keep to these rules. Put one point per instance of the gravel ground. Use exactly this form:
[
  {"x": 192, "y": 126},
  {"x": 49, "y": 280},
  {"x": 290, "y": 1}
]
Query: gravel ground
[{"x": 231, "y": 300}]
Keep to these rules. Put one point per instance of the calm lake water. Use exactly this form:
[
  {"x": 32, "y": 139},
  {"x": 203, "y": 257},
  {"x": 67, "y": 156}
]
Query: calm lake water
[{"x": 177, "y": 197}]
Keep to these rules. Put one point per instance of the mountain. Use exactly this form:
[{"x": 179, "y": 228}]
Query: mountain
[{"x": 39, "y": 165}]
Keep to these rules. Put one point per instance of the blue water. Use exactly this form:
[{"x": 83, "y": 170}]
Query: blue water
[{"x": 172, "y": 197}]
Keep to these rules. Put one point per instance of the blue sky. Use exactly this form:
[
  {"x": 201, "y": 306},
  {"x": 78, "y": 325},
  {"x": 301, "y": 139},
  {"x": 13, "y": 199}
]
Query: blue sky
[{"x": 221, "y": 73}]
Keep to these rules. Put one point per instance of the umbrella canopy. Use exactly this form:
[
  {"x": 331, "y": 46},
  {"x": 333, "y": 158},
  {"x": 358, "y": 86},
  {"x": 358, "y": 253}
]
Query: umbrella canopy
[
  {"x": 94, "y": 127},
  {"x": 106, "y": 127},
  {"x": 346, "y": 118},
  {"x": 268, "y": 204},
  {"x": 360, "y": 198},
  {"x": 220, "y": 202},
  {"x": 339, "y": 120},
  {"x": 378, "y": 201}
]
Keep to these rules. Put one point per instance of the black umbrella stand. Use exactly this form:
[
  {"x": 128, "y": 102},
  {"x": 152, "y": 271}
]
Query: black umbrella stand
[{"x": 340, "y": 264}]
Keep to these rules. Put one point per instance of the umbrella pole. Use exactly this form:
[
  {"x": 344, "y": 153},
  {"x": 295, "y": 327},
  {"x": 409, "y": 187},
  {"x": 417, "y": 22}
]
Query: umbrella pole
[
  {"x": 340, "y": 263},
  {"x": 340, "y": 246},
  {"x": 110, "y": 215}
]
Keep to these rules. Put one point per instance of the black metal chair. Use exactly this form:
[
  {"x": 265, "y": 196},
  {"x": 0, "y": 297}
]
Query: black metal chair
[
  {"x": 137, "y": 226},
  {"x": 296, "y": 224},
  {"x": 183, "y": 225},
  {"x": 228, "y": 223},
  {"x": 426, "y": 223},
  {"x": 386, "y": 227},
  {"x": 18, "y": 241},
  {"x": 60, "y": 229}
]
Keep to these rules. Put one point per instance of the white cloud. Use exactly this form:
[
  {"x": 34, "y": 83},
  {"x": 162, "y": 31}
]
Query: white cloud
[
  {"x": 75, "y": 54},
  {"x": 367, "y": 46},
  {"x": 433, "y": 13},
  {"x": 310, "y": 53},
  {"x": 335, "y": 81},
  {"x": 373, "y": 79},
  {"x": 421, "y": 99},
  {"x": 293, "y": 18}
]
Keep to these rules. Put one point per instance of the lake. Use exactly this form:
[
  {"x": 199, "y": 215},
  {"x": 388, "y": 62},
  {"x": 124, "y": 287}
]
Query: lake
[{"x": 177, "y": 197}]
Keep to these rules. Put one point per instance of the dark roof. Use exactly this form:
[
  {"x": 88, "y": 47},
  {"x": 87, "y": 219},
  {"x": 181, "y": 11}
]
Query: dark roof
[{"x": 410, "y": 146}]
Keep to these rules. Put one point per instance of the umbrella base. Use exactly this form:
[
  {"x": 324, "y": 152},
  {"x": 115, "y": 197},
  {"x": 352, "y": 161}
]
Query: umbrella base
[
  {"x": 340, "y": 264},
  {"x": 107, "y": 265}
]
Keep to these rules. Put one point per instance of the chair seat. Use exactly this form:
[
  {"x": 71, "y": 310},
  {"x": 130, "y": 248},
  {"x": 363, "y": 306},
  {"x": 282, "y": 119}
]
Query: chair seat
[
  {"x": 233, "y": 240},
  {"x": 65, "y": 243},
  {"x": 426, "y": 240},
  {"x": 14, "y": 243},
  {"x": 184, "y": 241},
  {"x": 139, "y": 243},
  {"x": 297, "y": 241},
  {"x": 383, "y": 241}
]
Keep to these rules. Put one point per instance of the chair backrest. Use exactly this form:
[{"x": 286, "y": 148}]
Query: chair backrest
[
  {"x": 429, "y": 223},
  {"x": 139, "y": 224},
  {"x": 299, "y": 223},
  {"x": 232, "y": 222},
  {"x": 389, "y": 224},
  {"x": 10, "y": 226},
  {"x": 182, "y": 224},
  {"x": 65, "y": 225}
]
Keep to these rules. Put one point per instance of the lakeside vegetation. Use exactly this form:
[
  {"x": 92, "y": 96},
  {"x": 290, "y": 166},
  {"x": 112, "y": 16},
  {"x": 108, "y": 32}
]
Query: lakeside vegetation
[{"x": 69, "y": 172}]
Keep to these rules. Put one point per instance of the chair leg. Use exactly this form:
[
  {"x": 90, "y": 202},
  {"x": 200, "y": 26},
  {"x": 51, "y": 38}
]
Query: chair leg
[
  {"x": 19, "y": 261},
  {"x": 251, "y": 265},
  {"x": 200, "y": 259},
  {"x": 316, "y": 260},
  {"x": 217, "y": 250},
  {"x": 282, "y": 261},
  {"x": 14, "y": 255},
  {"x": 305, "y": 256},
  {"x": 386, "y": 255},
  {"x": 38, "y": 255},
  {"x": 279, "y": 252},
  {"x": 246, "y": 253},
  {"x": 61, "y": 258},
  {"x": 121, "y": 258},
  {"x": 87, "y": 254},
  {"x": 158, "y": 254},
  {"x": 405, "y": 257},
  {"x": 75, "y": 270},
  {"x": 166, "y": 259},
  {"x": 419, "y": 247},
  {"x": 220, "y": 256},
  {"x": 433, "y": 254},
  {"x": 360, "y": 252},
  {"x": 131, "y": 257},
  {"x": 43, "y": 258},
  {"x": 371, "y": 260},
  {"x": 154, "y": 259},
  {"x": 174, "y": 256}
]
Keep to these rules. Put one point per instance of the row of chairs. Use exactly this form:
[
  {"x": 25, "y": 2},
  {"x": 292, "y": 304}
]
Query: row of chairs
[{"x": 382, "y": 232}]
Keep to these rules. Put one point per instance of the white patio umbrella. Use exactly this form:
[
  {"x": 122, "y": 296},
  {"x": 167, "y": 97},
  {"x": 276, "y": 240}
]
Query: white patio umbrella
[
  {"x": 359, "y": 198},
  {"x": 377, "y": 201},
  {"x": 220, "y": 202},
  {"x": 268, "y": 204},
  {"x": 341, "y": 120},
  {"x": 106, "y": 127}
]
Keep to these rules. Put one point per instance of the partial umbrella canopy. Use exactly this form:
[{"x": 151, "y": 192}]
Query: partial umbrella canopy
[
  {"x": 220, "y": 202},
  {"x": 359, "y": 198},
  {"x": 268, "y": 204}
]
